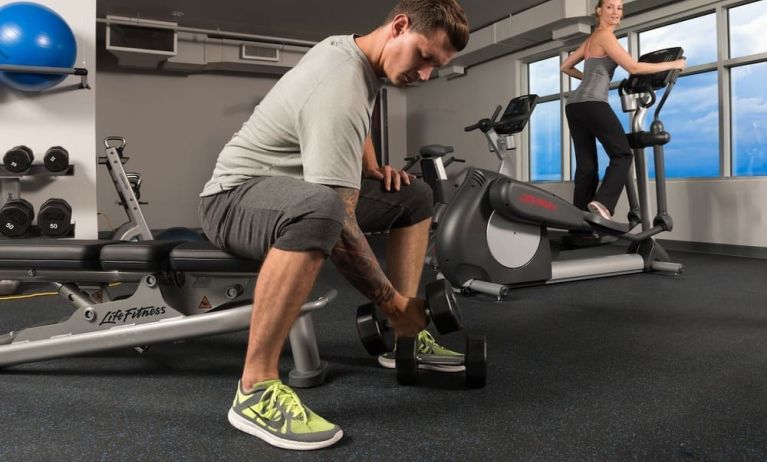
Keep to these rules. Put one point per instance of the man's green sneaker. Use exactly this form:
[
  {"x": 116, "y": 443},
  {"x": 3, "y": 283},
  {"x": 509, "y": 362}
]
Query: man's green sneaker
[
  {"x": 431, "y": 356},
  {"x": 274, "y": 413}
]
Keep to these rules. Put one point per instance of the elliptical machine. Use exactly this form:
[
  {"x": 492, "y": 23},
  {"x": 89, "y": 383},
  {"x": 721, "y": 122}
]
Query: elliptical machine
[
  {"x": 433, "y": 161},
  {"x": 494, "y": 233}
]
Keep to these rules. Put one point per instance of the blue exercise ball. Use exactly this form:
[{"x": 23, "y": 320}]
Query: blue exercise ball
[
  {"x": 179, "y": 233},
  {"x": 34, "y": 35}
]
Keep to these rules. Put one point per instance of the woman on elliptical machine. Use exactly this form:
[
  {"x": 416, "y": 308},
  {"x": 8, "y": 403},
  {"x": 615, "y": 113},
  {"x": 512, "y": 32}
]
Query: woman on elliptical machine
[{"x": 590, "y": 117}]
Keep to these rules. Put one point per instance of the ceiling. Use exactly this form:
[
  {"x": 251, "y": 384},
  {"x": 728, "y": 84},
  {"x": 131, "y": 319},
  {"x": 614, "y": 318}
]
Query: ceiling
[{"x": 297, "y": 19}]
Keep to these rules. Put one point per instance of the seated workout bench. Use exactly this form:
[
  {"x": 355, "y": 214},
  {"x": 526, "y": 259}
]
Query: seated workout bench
[{"x": 185, "y": 289}]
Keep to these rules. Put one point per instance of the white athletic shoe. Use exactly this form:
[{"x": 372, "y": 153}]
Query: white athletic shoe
[{"x": 599, "y": 208}]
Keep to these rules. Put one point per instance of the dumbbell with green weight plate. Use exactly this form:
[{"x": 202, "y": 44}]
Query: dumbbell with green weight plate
[
  {"x": 441, "y": 306},
  {"x": 16, "y": 217},
  {"x": 18, "y": 159}
]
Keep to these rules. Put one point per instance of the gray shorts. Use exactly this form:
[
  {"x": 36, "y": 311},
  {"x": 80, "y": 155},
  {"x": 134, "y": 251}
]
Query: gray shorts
[{"x": 291, "y": 214}]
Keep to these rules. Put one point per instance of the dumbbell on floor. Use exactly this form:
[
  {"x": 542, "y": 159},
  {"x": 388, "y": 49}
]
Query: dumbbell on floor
[
  {"x": 16, "y": 217},
  {"x": 474, "y": 360},
  {"x": 441, "y": 307},
  {"x": 18, "y": 159},
  {"x": 55, "y": 218}
]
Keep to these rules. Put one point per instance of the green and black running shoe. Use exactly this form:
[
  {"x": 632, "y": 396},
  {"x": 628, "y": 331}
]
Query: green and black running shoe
[
  {"x": 431, "y": 356},
  {"x": 274, "y": 413}
]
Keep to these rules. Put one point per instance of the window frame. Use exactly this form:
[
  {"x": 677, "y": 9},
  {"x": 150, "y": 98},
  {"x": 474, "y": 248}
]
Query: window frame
[{"x": 676, "y": 13}]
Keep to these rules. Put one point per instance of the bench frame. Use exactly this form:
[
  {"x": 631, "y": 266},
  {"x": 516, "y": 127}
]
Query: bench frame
[{"x": 166, "y": 306}]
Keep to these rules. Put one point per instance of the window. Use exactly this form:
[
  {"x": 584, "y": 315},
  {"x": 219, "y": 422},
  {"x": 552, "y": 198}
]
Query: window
[
  {"x": 692, "y": 113},
  {"x": 697, "y": 36},
  {"x": 546, "y": 121},
  {"x": 749, "y": 120},
  {"x": 546, "y": 142},
  {"x": 620, "y": 73},
  {"x": 691, "y": 116},
  {"x": 544, "y": 77},
  {"x": 747, "y": 25}
]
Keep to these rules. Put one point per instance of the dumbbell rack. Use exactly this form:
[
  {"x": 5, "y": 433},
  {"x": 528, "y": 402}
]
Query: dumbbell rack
[{"x": 10, "y": 188}]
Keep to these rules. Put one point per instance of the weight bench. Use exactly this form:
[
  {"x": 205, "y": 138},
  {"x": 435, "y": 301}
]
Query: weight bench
[{"x": 184, "y": 290}]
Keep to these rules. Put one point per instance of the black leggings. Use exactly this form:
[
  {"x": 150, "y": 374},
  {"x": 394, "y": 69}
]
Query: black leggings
[{"x": 590, "y": 121}]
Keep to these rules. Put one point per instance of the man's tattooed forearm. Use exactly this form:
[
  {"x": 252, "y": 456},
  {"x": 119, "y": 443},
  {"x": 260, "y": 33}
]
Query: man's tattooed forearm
[{"x": 354, "y": 258}]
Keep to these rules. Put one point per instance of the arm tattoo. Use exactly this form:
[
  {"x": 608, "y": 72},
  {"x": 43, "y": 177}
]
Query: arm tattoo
[{"x": 354, "y": 258}]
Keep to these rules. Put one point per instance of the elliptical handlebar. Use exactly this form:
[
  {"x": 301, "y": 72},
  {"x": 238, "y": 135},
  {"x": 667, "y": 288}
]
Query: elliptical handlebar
[
  {"x": 454, "y": 159},
  {"x": 649, "y": 83},
  {"x": 496, "y": 113},
  {"x": 485, "y": 124},
  {"x": 671, "y": 82}
]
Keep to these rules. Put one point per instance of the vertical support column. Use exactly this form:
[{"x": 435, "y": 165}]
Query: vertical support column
[{"x": 309, "y": 370}]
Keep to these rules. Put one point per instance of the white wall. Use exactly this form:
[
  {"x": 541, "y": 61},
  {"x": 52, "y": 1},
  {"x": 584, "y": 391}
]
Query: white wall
[
  {"x": 175, "y": 126},
  {"x": 727, "y": 211},
  {"x": 61, "y": 116},
  {"x": 398, "y": 115},
  {"x": 439, "y": 110}
]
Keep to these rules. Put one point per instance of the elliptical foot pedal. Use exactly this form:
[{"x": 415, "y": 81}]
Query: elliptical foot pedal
[
  {"x": 605, "y": 226},
  {"x": 581, "y": 241}
]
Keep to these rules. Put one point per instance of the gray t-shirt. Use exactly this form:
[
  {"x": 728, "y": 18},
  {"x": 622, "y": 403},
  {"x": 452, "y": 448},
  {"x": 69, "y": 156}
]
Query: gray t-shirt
[{"x": 312, "y": 124}]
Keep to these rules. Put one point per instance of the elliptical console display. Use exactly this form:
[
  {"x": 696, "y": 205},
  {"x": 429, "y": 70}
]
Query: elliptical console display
[{"x": 637, "y": 83}]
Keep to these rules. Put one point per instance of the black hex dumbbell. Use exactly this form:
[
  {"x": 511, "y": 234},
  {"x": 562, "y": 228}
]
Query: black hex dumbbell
[
  {"x": 55, "y": 218},
  {"x": 18, "y": 159},
  {"x": 474, "y": 360},
  {"x": 56, "y": 159},
  {"x": 441, "y": 306},
  {"x": 16, "y": 217}
]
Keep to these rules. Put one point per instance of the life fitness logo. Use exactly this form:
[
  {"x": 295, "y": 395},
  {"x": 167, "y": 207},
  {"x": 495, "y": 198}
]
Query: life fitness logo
[
  {"x": 123, "y": 316},
  {"x": 536, "y": 201}
]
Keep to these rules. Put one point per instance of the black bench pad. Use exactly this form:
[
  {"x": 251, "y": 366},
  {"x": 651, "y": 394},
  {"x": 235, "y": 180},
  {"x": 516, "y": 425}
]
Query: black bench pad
[
  {"x": 205, "y": 256},
  {"x": 150, "y": 256},
  {"x": 48, "y": 254}
]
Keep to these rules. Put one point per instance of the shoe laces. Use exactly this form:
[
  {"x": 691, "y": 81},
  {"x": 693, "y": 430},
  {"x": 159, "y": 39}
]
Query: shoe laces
[
  {"x": 426, "y": 342},
  {"x": 284, "y": 397}
]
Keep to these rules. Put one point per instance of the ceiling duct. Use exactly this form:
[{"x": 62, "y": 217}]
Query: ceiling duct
[
  {"x": 563, "y": 21},
  {"x": 143, "y": 45},
  {"x": 259, "y": 52},
  {"x": 147, "y": 44},
  {"x": 526, "y": 29}
]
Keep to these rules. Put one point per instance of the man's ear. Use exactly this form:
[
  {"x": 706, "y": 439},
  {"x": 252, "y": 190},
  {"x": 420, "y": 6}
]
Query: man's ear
[{"x": 399, "y": 25}]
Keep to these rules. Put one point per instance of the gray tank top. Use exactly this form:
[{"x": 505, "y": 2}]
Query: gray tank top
[{"x": 597, "y": 74}]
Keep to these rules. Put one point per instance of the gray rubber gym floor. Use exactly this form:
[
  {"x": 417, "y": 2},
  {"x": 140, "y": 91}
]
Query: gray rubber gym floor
[{"x": 643, "y": 367}]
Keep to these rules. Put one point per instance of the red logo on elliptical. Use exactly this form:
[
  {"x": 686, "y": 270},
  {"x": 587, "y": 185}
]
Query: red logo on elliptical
[{"x": 529, "y": 199}]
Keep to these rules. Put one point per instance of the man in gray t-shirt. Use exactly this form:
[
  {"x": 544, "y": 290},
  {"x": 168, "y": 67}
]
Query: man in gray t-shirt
[
  {"x": 299, "y": 182},
  {"x": 310, "y": 126}
]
